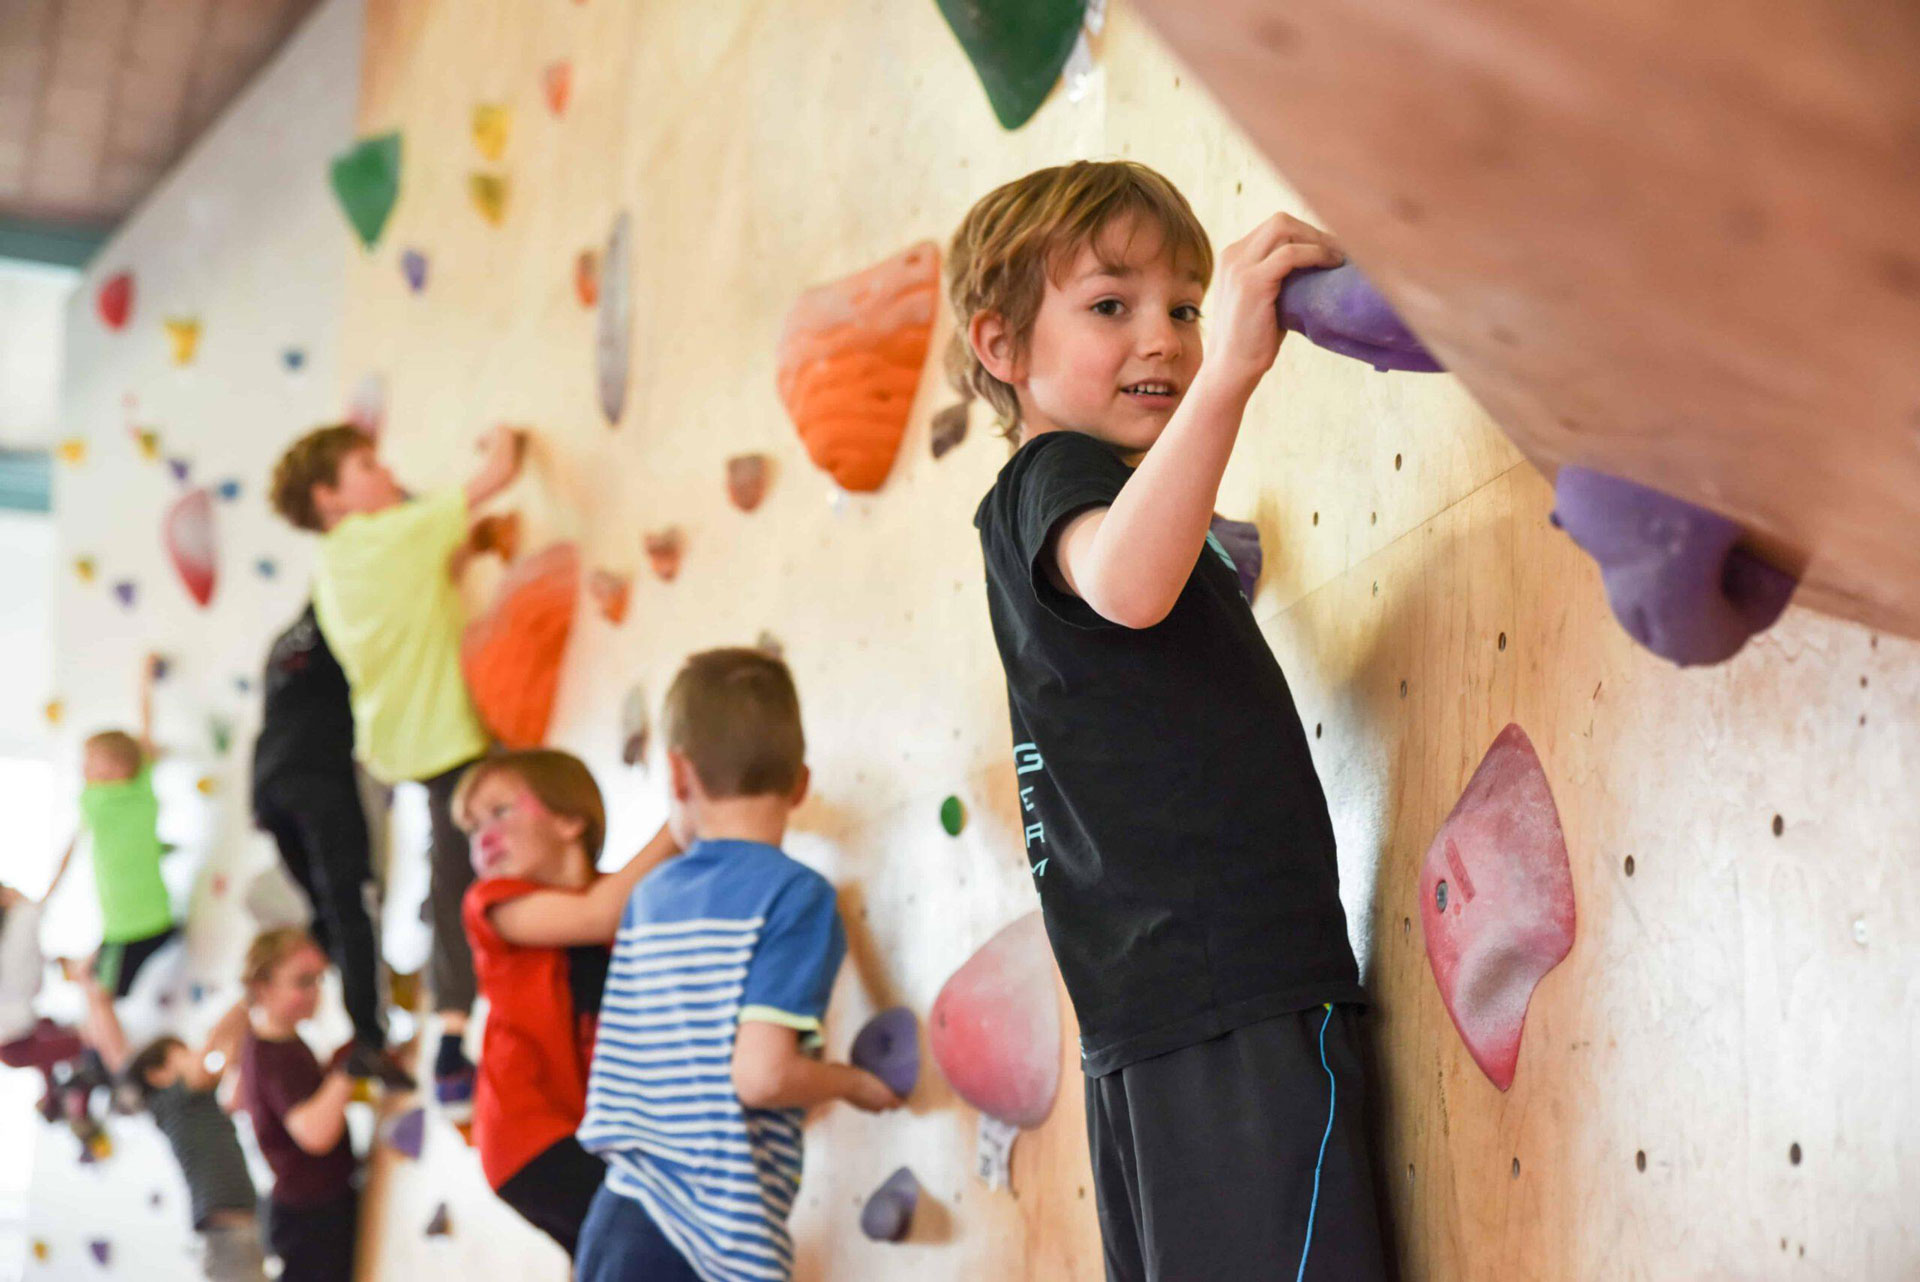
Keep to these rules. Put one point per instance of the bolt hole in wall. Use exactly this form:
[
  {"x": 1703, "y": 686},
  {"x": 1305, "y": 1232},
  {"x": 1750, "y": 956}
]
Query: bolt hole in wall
[
  {"x": 1629, "y": 865},
  {"x": 1640, "y": 1160},
  {"x": 1779, "y": 825}
]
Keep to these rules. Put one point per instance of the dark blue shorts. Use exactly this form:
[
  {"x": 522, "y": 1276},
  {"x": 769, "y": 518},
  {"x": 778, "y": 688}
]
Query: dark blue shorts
[{"x": 621, "y": 1243}]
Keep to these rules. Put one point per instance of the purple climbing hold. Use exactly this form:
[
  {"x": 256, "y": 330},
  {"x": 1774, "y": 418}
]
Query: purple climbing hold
[
  {"x": 102, "y": 1251},
  {"x": 1340, "y": 310},
  {"x": 407, "y": 1133},
  {"x": 889, "y": 1048},
  {"x": 888, "y": 1214},
  {"x": 413, "y": 265},
  {"x": 1676, "y": 577},
  {"x": 125, "y": 591},
  {"x": 295, "y": 359},
  {"x": 1241, "y": 539},
  {"x": 441, "y": 1225},
  {"x": 179, "y": 467}
]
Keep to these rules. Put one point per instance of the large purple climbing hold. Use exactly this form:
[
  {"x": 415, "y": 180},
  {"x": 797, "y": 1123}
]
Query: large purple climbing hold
[
  {"x": 1241, "y": 539},
  {"x": 1676, "y": 577},
  {"x": 406, "y": 1133},
  {"x": 888, "y": 1214},
  {"x": 889, "y": 1048},
  {"x": 1339, "y": 309}
]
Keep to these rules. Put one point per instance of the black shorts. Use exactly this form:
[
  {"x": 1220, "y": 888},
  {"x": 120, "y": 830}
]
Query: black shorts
[
  {"x": 553, "y": 1191},
  {"x": 315, "y": 1243},
  {"x": 119, "y": 962},
  {"x": 1245, "y": 1156}
]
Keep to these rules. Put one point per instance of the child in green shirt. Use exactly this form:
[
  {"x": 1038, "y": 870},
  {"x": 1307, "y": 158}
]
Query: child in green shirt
[{"x": 385, "y": 595}]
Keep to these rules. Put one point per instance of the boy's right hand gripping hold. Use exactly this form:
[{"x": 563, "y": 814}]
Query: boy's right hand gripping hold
[
  {"x": 1246, "y": 329},
  {"x": 504, "y": 447}
]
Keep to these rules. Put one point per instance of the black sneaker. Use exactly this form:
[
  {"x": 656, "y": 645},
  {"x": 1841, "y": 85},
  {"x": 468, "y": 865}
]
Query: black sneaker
[{"x": 364, "y": 1062}]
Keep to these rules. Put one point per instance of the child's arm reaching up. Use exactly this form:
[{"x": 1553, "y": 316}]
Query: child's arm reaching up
[
  {"x": 60, "y": 870},
  {"x": 771, "y": 1071},
  {"x": 504, "y": 446},
  {"x": 1130, "y": 561},
  {"x": 564, "y": 918},
  {"x": 149, "y": 673}
]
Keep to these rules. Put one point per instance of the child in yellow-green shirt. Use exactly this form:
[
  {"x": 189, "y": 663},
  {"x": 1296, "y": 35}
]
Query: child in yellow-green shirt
[{"x": 385, "y": 595}]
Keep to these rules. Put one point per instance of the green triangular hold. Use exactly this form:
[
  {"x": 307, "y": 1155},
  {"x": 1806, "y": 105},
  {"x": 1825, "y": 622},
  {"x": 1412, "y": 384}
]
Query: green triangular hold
[
  {"x": 1017, "y": 48},
  {"x": 366, "y": 178}
]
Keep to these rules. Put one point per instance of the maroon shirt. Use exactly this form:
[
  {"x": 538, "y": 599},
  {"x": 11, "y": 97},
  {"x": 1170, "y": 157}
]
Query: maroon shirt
[{"x": 275, "y": 1078}]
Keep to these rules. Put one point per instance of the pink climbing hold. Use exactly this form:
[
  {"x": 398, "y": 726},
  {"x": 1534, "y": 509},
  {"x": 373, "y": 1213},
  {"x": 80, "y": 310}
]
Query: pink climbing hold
[
  {"x": 188, "y": 535},
  {"x": 1496, "y": 901},
  {"x": 995, "y": 1027}
]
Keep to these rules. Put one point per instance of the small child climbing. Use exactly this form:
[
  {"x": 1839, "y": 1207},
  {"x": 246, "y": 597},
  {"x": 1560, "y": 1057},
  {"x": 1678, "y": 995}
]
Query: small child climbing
[
  {"x": 540, "y": 918},
  {"x": 715, "y": 1000},
  {"x": 179, "y": 1086},
  {"x": 1176, "y": 830},
  {"x": 385, "y": 597},
  {"x": 306, "y": 795},
  {"x": 299, "y": 1112},
  {"x": 120, "y": 817}
]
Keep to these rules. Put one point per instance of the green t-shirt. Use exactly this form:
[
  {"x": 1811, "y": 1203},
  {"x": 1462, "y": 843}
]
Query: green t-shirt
[
  {"x": 123, "y": 819},
  {"x": 392, "y": 616}
]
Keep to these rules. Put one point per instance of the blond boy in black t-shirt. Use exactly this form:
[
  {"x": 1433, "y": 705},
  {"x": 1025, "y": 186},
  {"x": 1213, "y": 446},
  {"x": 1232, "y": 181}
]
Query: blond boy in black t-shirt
[{"x": 1176, "y": 829}]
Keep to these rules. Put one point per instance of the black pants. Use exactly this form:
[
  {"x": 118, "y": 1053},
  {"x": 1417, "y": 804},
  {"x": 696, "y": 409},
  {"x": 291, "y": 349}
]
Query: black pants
[
  {"x": 315, "y": 1243},
  {"x": 450, "y": 872},
  {"x": 120, "y": 960},
  {"x": 1242, "y": 1157},
  {"x": 554, "y": 1190},
  {"x": 319, "y": 824}
]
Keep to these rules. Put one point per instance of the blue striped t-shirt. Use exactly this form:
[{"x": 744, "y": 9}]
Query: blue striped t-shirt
[{"x": 731, "y": 930}]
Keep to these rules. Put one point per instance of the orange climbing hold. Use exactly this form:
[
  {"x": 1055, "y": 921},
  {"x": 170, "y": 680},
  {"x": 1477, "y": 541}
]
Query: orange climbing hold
[
  {"x": 586, "y": 277},
  {"x": 850, "y": 359},
  {"x": 511, "y": 653},
  {"x": 664, "y": 549},
  {"x": 558, "y": 82},
  {"x": 498, "y": 534},
  {"x": 609, "y": 592}
]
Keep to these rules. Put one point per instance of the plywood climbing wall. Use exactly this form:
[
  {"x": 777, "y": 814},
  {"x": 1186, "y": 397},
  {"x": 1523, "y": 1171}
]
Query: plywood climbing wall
[{"x": 1736, "y": 996}]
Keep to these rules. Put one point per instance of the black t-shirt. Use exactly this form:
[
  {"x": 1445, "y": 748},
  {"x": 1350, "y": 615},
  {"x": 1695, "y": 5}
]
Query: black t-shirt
[
  {"x": 307, "y": 726},
  {"x": 1175, "y": 826}
]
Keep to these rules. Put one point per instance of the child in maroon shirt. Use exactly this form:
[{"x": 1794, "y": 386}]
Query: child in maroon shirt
[
  {"x": 540, "y": 918},
  {"x": 299, "y": 1112}
]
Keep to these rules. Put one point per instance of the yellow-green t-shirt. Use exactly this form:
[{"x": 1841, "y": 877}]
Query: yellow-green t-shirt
[
  {"x": 123, "y": 818},
  {"x": 392, "y": 616}
]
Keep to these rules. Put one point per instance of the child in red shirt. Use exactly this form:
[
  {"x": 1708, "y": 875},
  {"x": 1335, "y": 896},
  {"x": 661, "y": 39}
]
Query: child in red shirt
[{"x": 539, "y": 918}]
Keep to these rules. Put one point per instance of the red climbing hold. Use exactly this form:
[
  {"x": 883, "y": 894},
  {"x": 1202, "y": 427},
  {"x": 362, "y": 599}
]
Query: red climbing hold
[
  {"x": 115, "y": 300},
  {"x": 1496, "y": 901},
  {"x": 511, "y": 654},
  {"x": 995, "y": 1027},
  {"x": 188, "y": 535}
]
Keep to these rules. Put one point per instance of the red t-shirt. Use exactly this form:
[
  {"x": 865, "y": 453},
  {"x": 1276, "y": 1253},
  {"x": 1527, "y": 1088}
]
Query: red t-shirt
[{"x": 542, "y": 1008}]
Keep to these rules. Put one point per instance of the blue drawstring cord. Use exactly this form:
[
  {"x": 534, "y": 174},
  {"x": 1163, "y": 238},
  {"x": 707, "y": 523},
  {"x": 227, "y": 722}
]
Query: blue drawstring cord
[{"x": 1332, "y": 1092}]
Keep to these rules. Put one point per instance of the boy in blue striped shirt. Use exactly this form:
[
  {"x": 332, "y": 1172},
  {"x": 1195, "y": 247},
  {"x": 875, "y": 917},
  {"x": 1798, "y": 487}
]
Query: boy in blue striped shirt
[{"x": 710, "y": 1026}]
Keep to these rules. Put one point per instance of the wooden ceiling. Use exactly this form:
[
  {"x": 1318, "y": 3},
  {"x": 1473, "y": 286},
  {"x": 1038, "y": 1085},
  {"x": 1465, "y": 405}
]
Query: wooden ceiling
[{"x": 99, "y": 97}]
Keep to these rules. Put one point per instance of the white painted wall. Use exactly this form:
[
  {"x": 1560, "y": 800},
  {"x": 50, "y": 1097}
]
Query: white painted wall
[
  {"x": 245, "y": 235},
  {"x": 33, "y": 299}
]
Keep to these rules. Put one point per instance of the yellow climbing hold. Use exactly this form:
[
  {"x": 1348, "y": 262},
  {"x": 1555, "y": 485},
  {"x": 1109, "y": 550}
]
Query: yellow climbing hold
[
  {"x": 489, "y": 192},
  {"x": 73, "y": 450},
  {"x": 40, "y": 1249},
  {"x": 492, "y": 122},
  {"x": 149, "y": 442},
  {"x": 184, "y": 333},
  {"x": 207, "y": 785},
  {"x": 54, "y": 710}
]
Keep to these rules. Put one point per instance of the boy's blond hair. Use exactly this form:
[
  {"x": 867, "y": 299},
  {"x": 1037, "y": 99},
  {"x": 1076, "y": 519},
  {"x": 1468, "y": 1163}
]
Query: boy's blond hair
[
  {"x": 735, "y": 714},
  {"x": 1019, "y": 235},
  {"x": 561, "y": 782},
  {"x": 312, "y": 460},
  {"x": 123, "y": 748},
  {"x": 269, "y": 949}
]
